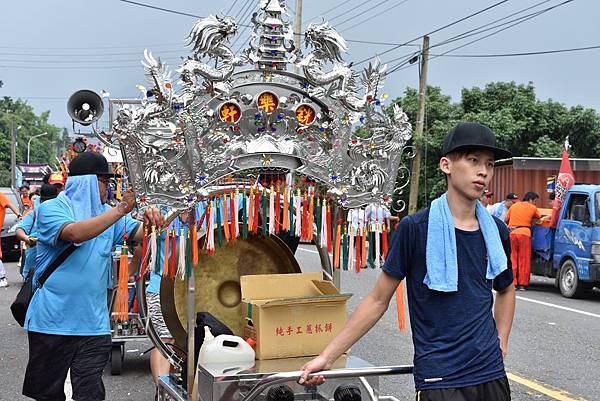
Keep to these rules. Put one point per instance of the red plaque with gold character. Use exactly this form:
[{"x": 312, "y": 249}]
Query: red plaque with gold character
[
  {"x": 305, "y": 114},
  {"x": 268, "y": 102},
  {"x": 230, "y": 112}
]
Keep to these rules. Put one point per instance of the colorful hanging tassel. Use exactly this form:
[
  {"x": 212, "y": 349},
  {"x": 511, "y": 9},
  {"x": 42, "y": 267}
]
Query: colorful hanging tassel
[
  {"x": 265, "y": 217},
  {"x": 298, "y": 207},
  {"x": 277, "y": 209},
  {"x": 272, "y": 220},
  {"x": 363, "y": 250},
  {"x": 181, "y": 255},
  {"x": 400, "y": 306},
  {"x": 194, "y": 244},
  {"x": 285, "y": 223},
  {"x": 384, "y": 242},
  {"x": 153, "y": 249},
  {"x": 251, "y": 209},
  {"x": 188, "y": 256},
  {"x": 358, "y": 240},
  {"x": 345, "y": 248},
  {"x": 244, "y": 216},
  {"x": 305, "y": 209},
  {"x": 165, "y": 266},
  {"x": 310, "y": 230},
  {"x": 318, "y": 217},
  {"x": 210, "y": 230},
  {"x": 291, "y": 212},
  {"x": 233, "y": 213},
  {"x": 144, "y": 253},
  {"x": 118, "y": 194},
  {"x": 329, "y": 228},
  {"x": 159, "y": 251},
  {"x": 225, "y": 218},
  {"x": 121, "y": 307},
  {"x": 257, "y": 203},
  {"x": 351, "y": 248},
  {"x": 219, "y": 227},
  {"x": 338, "y": 232},
  {"x": 172, "y": 265},
  {"x": 324, "y": 229}
]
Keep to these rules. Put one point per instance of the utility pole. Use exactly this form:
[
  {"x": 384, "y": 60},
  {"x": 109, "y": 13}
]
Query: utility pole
[
  {"x": 298, "y": 29},
  {"x": 413, "y": 197},
  {"x": 13, "y": 153}
]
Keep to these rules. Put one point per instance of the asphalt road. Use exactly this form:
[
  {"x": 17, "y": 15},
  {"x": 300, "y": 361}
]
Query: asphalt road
[{"x": 554, "y": 347}]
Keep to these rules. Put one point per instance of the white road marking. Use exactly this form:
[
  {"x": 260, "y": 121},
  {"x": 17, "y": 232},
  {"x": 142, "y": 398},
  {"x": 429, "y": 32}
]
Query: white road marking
[{"x": 559, "y": 307}]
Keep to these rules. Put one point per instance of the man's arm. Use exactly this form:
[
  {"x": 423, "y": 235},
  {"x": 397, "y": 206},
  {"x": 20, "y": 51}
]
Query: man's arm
[
  {"x": 14, "y": 209},
  {"x": 364, "y": 317},
  {"x": 504, "y": 312},
  {"x": 84, "y": 230}
]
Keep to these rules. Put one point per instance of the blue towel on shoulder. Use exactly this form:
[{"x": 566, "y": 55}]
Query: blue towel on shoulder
[{"x": 441, "y": 259}]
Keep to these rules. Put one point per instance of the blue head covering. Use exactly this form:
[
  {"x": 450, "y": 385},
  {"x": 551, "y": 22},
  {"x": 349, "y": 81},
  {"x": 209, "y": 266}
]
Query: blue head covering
[{"x": 84, "y": 196}]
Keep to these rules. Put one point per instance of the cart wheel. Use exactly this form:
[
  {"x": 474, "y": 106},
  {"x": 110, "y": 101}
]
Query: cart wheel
[{"x": 116, "y": 360}]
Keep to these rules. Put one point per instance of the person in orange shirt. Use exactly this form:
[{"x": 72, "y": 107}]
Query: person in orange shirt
[
  {"x": 519, "y": 218},
  {"x": 25, "y": 200},
  {"x": 4, "y": 204}
]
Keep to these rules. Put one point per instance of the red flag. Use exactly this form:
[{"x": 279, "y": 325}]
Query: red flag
[{"x": 564, "y": 181}]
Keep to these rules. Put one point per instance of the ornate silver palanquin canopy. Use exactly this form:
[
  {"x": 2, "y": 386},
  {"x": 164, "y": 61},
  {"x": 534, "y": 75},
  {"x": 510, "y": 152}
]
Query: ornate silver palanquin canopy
[{"x": 230, "y": 113}]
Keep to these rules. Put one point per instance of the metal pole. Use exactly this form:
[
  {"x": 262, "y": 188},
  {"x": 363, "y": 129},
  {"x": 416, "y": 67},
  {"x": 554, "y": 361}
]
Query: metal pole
[
  {"x": 13, "y": 154},
  {"x": 413, "y": 197},
  {"x": 298, "y": 29},
  {"x": 29, "y": 143},
  {"x": 191, "y": 321}
]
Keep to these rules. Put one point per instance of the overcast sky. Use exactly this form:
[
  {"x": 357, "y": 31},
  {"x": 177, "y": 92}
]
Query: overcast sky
[{"x": 50, "y": 49}]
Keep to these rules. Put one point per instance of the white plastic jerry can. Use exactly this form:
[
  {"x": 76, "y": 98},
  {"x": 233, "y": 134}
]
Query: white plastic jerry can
[{"x": 224, "y": 349}]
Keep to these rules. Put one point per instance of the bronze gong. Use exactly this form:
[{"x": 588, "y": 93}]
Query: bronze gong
[{"x": 218, "y": 282}]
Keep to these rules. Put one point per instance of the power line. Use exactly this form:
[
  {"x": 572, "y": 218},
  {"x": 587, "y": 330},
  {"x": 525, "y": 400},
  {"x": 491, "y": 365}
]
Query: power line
[
  {"x": 161, "y": 9},
  {"x": 374, "y": 16},
  {"x": 245, "y": 17},
  {"x": 328, "y": 10},
  {"x": 523, "y": 18},
  {"x": 379, "y": 43},
  {"x": 85, "y": 55},
  {"x": 348, "y": 11},
  {"x": 360, "y": 14},
  {"x": 439, "y": 29},
  {"x": 231, "y": 7},
  {"x": 465, "y": 34},
  {"x": 534, "y": 53}
]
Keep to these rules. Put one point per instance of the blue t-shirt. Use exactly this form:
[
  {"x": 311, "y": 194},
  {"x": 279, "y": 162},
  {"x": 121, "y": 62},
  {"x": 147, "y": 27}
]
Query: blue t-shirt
[
  {"x": 73, "y": 301},
  {"x": 28, "y": 225},
  {"x": 454, "y": 333}
]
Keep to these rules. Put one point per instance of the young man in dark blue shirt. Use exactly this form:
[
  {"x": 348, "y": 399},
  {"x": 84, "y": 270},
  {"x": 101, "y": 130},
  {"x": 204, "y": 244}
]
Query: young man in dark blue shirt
[{"x": 451, "y": 255}]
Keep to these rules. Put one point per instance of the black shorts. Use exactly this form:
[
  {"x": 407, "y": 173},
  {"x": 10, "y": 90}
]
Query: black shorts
[
  {"x": 50, "y": 358},
  {"x": 496, "y": 390}
]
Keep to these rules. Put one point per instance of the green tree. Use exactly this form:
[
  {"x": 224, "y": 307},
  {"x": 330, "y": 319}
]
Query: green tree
[
  {"x": 523, "y": 124},
  {"x": 19, "y": 116}
]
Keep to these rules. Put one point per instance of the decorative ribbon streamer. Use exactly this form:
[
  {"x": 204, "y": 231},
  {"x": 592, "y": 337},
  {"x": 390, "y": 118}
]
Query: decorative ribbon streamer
[
  {"x": 153, "y": 249},
  {"x": 319, "y": 217},
  {"x": 210, "y": 231},
  {"x": 225, "y": 219},
  {"x": 233, "y": 210},
  {"x": 144, "y": 253},
  {"x": 188, "y": 256},
  {"x": 122, "y": 298},
  {"x": 244, "y": 216},
  {"x": 400, "y": 306},
  {"x": 277, "y": 209},
  {"x": 324, "y": 228},
  {"x": 298, "y": 207},
  {"x": 311, "y": 218},
  {"x": 358, "y": 249},
  {"x": 345, "y": 248},
  {"x": 165, "y": 266},
  {"x": 219, "y": 226},
  {"x": 181, "y": 255},
  {"x": 272, "y": 222},
  {"x": 338, "y": 231},
  {"x": 364, "y": 247},
  {"x": 329, "y": 228},
  {"x": 194, "y": 244},
  {"x": 257, "y": 203},
  {"x": 173, "y": 254},
  {"x": 250, "y": 208},
  {"x": 285, "y": 224}
]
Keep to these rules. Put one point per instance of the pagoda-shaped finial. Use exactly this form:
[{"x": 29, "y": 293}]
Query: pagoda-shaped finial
[{"x": 272, "y": 40}]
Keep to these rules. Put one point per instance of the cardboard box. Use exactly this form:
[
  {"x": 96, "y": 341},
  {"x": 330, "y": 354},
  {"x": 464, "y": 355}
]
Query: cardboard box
[{"x": 291, "y": 315}]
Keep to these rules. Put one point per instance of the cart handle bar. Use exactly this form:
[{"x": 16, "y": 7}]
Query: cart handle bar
[{"x": 327, "y": 374}]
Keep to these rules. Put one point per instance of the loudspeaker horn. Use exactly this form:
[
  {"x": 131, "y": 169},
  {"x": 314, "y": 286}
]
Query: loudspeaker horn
[{"x": 85, "y": 107}]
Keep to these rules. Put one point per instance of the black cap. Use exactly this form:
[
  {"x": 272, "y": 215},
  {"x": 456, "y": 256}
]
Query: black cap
[
  {"x": 87, "y": 163},
  {"x": 473, "y": 135},
  {"x": 512, "y": 196}
]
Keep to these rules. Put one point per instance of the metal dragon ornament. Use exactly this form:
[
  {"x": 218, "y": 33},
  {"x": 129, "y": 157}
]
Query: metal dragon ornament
[{"x": 225, "y": 119}]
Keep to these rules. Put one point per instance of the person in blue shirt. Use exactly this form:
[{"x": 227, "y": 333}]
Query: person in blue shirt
[
  {"x": 27, "y": 230},
  {"x": 452, "y": 255},
  {"x": 67, "y": 321}
]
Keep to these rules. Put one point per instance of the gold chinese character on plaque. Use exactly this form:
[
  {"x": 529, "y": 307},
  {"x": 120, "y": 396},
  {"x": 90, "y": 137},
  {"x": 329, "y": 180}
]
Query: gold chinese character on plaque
[
  {"x": 305, "y": 114},
  {"x": 230, "y": 112},
  {"x": 268, "y": 102}
]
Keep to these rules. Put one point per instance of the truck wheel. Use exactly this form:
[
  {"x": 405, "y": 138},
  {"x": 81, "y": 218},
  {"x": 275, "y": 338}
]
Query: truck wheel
[
  {"x": 569, "y": 283},
  {"x": 116, "y": 360}
]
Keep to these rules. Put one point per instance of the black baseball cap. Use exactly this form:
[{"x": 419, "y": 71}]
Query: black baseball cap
[
  {"x": 512, "y": 196},
  {"x": 473, "y": 135},
  {"x": 88, "y": 163}
]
